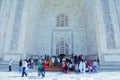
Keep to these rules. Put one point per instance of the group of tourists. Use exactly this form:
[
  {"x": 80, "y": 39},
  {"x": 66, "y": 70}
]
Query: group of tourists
[{"x": 67, "y": 63}]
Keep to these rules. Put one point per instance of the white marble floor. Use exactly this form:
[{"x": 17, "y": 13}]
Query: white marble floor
[{"x": 102, "y": 75}]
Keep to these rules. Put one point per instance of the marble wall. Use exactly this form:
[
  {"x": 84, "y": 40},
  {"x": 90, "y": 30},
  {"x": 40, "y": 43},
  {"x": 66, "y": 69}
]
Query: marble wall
[
  {"x": 4, "y": 18},
  {"x": 13, "y": 24},
  {"x": 92, "y": 49},
  {"x": 108, "y": 31},
  {"x": 43, "y": 22},
  {"x": 117, "y": 10},
  {"x": 31, "y": 24},
  {"x": 28, "y": 27}
]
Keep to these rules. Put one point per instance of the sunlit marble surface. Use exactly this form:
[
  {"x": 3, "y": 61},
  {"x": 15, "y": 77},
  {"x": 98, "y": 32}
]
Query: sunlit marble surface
[{"x": 32, "y": 75}]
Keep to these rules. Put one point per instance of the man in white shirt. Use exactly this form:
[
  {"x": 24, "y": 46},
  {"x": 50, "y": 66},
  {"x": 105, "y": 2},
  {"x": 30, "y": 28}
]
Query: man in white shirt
[{"x": 24, "y": 68}]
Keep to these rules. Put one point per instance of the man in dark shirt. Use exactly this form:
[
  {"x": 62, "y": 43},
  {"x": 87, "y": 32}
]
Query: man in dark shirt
[{"x": 20, "y": 65}]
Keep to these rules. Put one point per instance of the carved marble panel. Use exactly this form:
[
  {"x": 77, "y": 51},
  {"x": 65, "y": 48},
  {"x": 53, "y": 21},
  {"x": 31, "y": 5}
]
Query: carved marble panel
[
  {"x": 109, "y": 30},
  {"x": 16, "y": 25}
]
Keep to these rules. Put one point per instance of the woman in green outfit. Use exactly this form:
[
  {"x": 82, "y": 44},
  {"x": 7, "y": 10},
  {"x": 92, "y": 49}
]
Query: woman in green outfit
[{"x": 39, "y": 67}]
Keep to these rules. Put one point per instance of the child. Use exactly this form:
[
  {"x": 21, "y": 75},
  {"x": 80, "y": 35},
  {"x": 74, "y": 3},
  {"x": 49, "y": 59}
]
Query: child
[{"x": 95, "y": 66}]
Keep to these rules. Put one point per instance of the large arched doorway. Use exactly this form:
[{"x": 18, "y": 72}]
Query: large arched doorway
[
  {"x": 62, "y": 42},
  {"x": 62, "y": 47}
]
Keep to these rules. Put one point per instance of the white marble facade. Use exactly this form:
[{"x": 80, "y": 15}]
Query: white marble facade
[{"x": 31, "y": 27}]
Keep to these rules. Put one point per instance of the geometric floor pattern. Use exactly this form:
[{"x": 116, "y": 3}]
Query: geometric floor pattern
[{"x": 103, "y": 75}]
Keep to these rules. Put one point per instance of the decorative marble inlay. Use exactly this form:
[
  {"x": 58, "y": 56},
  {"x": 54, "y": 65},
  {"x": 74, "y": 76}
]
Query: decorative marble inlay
[
  {"x": 109, "y": 30},
  {"x": 16, "y": 25}
]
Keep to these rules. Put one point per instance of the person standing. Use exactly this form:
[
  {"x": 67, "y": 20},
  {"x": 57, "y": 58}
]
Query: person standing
[
  {"x": 20, "y": 65},
  {"x": 53, "y": 62},
  {"x": 84, "y": 67},
  {"x": 44, "y": 65},
  {"x": 81, "y": 66},
  {"x": 95, "y": 66},
  {"x": 66, "y": 68},
  {"x": 39, "y": 67},
  {"x": 76, "y": 68},
  {"x": 24, "y": 66},
  {"x": 31, "y": 63},
  {"x": 50, "y": 63},
  {"x": 10, "y": 65}
]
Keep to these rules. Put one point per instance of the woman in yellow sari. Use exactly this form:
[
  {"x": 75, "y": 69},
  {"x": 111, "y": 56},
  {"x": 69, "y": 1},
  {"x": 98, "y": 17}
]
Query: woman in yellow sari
[{"x": 50, "y": 62}]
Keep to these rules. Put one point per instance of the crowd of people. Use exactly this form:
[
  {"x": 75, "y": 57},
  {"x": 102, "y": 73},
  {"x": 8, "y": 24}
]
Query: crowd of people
[{"x": 79, "y": 64}]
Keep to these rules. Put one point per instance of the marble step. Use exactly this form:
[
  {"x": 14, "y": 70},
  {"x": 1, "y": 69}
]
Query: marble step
[
  {"x": 54, "y": 69},
  {"x": 109, "y": 67}
]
